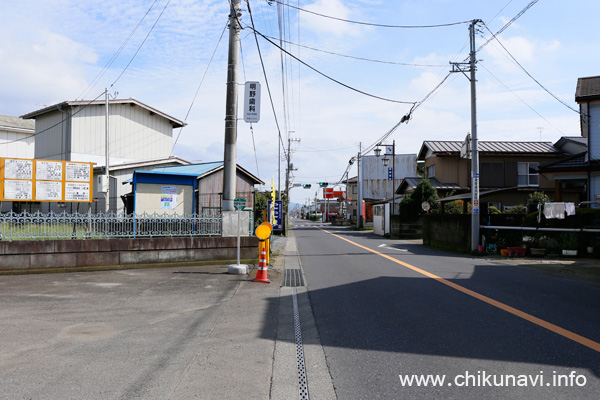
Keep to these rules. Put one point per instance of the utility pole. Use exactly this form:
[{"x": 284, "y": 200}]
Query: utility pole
[
  {"x": 359, "y": 221},
  {"x": 230, "y": 151},
  {"x": 459, "y": 67},
  {"x": 106, "y": 155},
  {"x": 289, "y": 168}
]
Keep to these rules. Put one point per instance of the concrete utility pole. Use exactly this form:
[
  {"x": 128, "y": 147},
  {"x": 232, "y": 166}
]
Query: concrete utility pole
[
  {"x": 475, "y": 154},
  {"x": 359, "y": 220},
  {"x": 106, "y": 155},
  {"x": 289, "y": 168},
  {"x": 230, "y": 151},
  {"x": 459, "y": 67}
]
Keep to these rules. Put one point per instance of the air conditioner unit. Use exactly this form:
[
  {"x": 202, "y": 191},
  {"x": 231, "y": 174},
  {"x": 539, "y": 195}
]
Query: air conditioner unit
[{"x": 103, "y": 182}]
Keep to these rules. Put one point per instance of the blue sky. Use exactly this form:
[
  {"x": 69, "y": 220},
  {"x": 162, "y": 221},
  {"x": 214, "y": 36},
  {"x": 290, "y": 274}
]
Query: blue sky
[{"x": 51, "y": 50}]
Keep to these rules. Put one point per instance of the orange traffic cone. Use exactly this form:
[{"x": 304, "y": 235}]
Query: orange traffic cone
[{"x": 261, "y": 275}]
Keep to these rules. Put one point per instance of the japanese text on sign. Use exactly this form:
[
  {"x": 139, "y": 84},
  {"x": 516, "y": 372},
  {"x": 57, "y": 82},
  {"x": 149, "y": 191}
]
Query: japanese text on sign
[{"x": 252, "y": 102}]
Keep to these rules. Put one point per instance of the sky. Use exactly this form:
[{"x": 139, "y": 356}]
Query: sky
[{"x": 172, "y": 55}]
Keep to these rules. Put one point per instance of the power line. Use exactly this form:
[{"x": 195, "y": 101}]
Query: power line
[
  {"x": 140, "y": 46},
  {"x": 199, "y": 86},
  {"x": 329, "y": 77},
  {"x": 528, "y": 74},
  {"x": 265, "y": 75},
  {"x": 114, "y": 57},
  {"x": 362, "y": 58},
  {"x": 523, "y": 101},
  {"x": 527, "y": 7},
  {"x": 251, "y": 128},
  {"x": 58, "y": 123},
  {"x": 368, "y": 23}
]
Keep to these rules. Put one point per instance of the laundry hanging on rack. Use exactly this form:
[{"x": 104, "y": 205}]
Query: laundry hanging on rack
[{"x": 558, "y": 210}]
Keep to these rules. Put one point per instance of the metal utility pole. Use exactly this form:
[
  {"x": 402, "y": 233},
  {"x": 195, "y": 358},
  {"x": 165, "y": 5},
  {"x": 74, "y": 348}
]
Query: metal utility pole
[
  {"x": 230, "y": 151},
  {"x": 106, "y": 155},
  {"x": 459, "y": 67}
]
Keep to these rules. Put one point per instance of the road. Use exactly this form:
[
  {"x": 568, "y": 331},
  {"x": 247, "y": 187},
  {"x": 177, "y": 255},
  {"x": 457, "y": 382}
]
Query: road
[{"x": 389, "y": 311}]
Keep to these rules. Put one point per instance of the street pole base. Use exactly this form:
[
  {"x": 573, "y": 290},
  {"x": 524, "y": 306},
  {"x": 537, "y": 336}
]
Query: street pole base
[{"x": 237, "y": 269}]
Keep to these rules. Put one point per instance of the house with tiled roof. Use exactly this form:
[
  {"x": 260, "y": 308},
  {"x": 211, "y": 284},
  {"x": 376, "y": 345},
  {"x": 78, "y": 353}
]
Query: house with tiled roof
[
  {"x": 508, "y": 171},
  {"x": 580, "y": 172}
]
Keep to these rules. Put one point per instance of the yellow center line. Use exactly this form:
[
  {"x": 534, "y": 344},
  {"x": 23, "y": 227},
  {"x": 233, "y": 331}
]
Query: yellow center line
[{"x": 544, "y": 324}]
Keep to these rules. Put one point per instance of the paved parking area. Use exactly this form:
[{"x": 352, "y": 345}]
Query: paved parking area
[{"x": 146, "y": 333}]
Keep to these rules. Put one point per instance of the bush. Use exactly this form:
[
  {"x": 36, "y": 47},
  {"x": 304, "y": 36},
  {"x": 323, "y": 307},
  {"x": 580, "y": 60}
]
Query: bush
[{"x": 410, "y": 206}]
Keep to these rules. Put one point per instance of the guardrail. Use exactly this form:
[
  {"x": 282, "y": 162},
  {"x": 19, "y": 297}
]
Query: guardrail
[{"x": 28, "y": 226}]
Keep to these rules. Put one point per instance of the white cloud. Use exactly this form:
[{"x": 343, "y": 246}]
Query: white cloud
[
  {"x": 333, "y": 8},
  {"x": 41, "y": 67}
]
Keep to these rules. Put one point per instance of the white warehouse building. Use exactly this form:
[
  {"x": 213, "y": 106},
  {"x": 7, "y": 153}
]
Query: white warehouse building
[{"x": 76, "y": 131}]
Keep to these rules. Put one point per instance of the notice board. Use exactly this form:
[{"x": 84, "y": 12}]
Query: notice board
[{"x": 45, "y": 180}]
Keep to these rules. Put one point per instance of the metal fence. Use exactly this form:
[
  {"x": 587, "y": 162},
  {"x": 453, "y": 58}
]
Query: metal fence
[{"x": 97, "y": 226}]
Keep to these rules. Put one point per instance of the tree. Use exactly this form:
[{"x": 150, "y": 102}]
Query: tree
[{"x": 410, "y": 205}]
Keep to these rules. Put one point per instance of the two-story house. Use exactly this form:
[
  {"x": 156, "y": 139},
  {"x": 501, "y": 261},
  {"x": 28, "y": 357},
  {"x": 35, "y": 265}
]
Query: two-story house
[
  {"x": 508, "y": 171},
  {"x": 580, "y": 172}
]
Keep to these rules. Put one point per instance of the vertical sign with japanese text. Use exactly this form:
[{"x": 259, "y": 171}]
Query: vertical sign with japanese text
[{"x": 252, "y": 102}]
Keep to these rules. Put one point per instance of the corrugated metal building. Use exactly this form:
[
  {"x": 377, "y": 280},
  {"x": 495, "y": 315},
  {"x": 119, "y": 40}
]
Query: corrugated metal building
[{"x": 75, "y": 131}]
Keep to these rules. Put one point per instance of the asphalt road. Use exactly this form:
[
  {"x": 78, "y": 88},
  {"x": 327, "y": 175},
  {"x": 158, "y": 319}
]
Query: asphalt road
[{"x": 388, "y": 311}]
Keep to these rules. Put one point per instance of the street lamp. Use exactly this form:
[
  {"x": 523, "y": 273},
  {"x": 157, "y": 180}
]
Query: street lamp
[{"x": 386, "y": 162}]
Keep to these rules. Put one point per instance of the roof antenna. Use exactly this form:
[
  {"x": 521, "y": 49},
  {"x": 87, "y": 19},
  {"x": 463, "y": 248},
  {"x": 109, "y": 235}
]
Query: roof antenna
[{"x": 540, "y": 129}]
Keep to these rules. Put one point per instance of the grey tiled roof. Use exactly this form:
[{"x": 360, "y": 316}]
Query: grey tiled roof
[
  {"x": 16, "y": 122},
  {"x": 587, "y": 89},
  {"x": 408, "y": 184},
  {"x": 453, "y": 146},
  {"x": 575, "y": 162}
]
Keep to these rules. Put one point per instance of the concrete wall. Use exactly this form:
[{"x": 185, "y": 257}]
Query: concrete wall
[
  {"x": 448, "y": 232},
  {"x": 34, "y": 255}
]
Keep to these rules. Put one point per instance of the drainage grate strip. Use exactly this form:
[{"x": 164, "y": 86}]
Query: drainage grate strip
[
  {"x": 302, "y": 382},
  {"x": 293, "y": 277}
]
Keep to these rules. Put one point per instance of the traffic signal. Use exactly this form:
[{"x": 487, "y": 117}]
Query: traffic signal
[
  {"x": 323, "y": 184},
  {"x": 306, "y": 185}
]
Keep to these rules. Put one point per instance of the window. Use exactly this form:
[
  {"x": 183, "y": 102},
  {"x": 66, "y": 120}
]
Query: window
[
  {"x": 431, "y": 171},
  {"x": 354, "y": 189},
  {"x": 527, "y": 174}
]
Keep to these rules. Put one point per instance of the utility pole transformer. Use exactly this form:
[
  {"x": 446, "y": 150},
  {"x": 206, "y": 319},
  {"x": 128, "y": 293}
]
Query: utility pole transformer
[
  {"x": 460, "y": 67},
  {"x": 230, "y": 151}
]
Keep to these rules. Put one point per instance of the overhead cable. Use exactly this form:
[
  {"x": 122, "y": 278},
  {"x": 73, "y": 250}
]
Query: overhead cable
[
  {"x": 265, "y": 75},
  {"x": 519, "y": 97},
  {"x": 361, "y": 58},
  {"x": 368, "y": 23},
  {"x": 58, "y": 123},
  {"x": 141, "y": 44},
  {"x": 529, "y": 75},
  {"x": 527, "y": 7},
  {"x": 327, "y": 76},
  {"x": 114, "y": 57},
  {"x": 199, "y": 86}
]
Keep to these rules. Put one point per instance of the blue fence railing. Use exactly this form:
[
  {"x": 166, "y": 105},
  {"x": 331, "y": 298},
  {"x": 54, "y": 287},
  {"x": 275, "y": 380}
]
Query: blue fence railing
[{"x": 64, "y": 225}]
